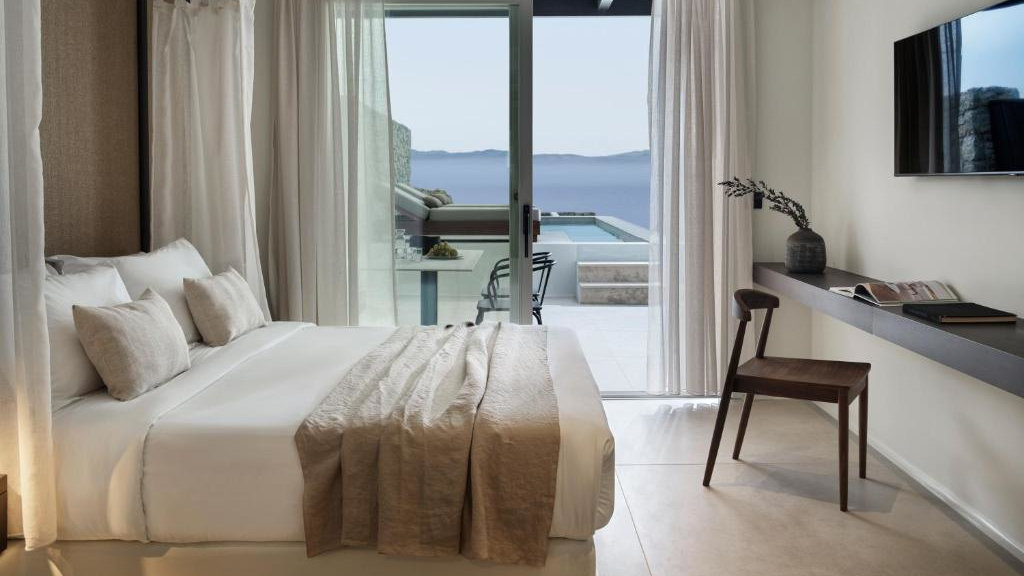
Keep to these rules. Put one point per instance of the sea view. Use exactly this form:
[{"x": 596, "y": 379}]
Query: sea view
[{"x": 616, "y": 185}]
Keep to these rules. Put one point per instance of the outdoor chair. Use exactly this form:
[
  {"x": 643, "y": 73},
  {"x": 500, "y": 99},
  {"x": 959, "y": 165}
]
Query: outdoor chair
[{"x": 495, "y": 296}]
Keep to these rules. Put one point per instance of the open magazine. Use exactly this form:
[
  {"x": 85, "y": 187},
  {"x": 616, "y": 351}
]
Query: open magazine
[{"x": 897, "y": 293}]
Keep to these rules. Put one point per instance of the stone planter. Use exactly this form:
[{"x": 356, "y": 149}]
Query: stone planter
[{"x": 805, "y": 252}]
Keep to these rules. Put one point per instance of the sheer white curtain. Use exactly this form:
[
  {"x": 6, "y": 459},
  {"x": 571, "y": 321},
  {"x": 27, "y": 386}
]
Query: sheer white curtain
[
  {"x": 26, "y": 445},
  {"x": 202, "y": 176},
  {"x": 332, "y": 207},
  {"x": 701, "y": 247}
]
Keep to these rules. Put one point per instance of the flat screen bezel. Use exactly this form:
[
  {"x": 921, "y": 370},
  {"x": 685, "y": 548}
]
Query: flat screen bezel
[{"x": 895, "y": 125}]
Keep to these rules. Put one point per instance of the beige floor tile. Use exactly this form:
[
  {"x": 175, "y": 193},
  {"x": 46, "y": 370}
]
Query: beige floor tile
[
  {"x": 776, "y": 511},
  {"x": 618, "y": 549},
  {"x": 784, "y": 519},
  {"x": 679, "y": 432}
]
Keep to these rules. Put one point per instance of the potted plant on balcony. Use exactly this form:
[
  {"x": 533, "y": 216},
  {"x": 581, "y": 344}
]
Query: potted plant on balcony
[{"x": 805, "y": 249}]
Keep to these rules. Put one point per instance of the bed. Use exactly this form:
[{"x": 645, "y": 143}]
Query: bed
[{"x": 210, "y": 456}]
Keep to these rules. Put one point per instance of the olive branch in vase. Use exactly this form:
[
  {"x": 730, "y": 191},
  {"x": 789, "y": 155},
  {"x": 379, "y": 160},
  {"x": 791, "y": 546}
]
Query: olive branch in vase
[{"x": 777, "y": 201}]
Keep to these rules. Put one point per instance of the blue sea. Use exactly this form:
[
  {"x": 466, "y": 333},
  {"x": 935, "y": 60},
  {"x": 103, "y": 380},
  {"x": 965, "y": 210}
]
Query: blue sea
[{"x": 616, "y": 185}]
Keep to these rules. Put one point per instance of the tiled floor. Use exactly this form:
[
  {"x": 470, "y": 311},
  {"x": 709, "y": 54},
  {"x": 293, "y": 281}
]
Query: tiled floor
[
  {"x": 775, "y": 511},
  {"x": 614, "y": 340}
]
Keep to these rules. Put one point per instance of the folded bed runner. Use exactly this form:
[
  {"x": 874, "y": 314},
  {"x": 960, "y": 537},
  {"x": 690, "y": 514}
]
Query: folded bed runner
[{"x": 440, "y": 441}]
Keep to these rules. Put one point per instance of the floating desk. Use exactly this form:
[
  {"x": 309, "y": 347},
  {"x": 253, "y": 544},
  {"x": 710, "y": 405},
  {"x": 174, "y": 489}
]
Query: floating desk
[
  {"x": 993, "y": 353},
  {"x": 428, "y": 270}
]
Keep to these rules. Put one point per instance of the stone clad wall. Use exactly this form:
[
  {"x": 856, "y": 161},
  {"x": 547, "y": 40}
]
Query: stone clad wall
[
  {"x": 401, "y": 142},
  {"x": 977, "y": 153}
]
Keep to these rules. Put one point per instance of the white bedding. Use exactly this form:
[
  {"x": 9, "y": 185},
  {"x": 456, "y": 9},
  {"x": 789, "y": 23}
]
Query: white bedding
[{"x": 210, "y": 456}]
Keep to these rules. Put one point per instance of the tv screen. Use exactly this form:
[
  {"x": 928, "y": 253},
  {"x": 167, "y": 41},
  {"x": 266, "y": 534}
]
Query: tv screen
[{"x": 960, "y": 96}]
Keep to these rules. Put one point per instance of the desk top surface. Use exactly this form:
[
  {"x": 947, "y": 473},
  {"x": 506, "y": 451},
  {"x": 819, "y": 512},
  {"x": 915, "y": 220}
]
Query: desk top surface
[{"x": 990, "y": 352}]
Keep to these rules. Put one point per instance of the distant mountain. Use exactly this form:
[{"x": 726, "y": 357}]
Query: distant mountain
[
  {"x": 441, "y": 154},
  {"x": 614, "y": 185},
  {"x": 637, "y": 155}
]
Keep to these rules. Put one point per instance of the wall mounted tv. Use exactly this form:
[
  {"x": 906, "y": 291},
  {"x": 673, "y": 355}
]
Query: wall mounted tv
[{"x": 960, "y": 96}]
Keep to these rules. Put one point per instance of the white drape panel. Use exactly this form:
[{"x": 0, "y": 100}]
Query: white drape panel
[
  {"x": 26, "y": 445},
  {"x": 701, "y": 242},
  {"x": 202, "y": 175},
  {"x": 332, "y": 207}
]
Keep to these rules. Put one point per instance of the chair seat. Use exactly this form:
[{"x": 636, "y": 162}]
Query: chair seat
[
  {"x": 502, "y": 303},
  {"x": 503, "y": 295},
  {"x": 801, "y": 378}
]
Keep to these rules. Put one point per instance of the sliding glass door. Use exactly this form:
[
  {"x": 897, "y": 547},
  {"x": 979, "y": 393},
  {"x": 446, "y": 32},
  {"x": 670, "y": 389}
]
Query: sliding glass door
[
  {"x": 592, "y": 178},
  {"x": 461, "y": 140}
]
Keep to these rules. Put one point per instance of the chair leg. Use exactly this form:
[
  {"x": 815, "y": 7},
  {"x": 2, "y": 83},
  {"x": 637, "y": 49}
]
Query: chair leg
[
  {"x": 844, "y": 449},
  {"x": 863, "y": 431},
  {"x": 479, "y": 316},
  {"x": 748, "y": 403},
  {"x": 716, "y": 438},
  {"x": 536, "y": 314}
]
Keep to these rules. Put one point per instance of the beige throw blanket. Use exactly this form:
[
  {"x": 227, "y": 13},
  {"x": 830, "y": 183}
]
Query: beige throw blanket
[{"x": 439, "y": 441}]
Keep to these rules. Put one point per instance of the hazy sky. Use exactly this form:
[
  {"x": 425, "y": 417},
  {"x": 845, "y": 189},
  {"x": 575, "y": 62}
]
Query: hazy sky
[
  {"x": 993, "y": 49},
  {"x": 449, "y": 83}
]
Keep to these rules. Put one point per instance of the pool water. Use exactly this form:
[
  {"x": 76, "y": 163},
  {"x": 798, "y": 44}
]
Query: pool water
[{"x": 581, "y": 232}]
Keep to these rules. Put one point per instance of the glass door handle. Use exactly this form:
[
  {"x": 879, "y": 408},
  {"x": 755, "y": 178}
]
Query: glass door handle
[{"x": 527, "y": 232}]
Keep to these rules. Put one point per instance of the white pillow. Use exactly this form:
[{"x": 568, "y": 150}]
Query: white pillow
[
  {"x": 71, "y": 373},
  {"x": 161, "y": 270}
]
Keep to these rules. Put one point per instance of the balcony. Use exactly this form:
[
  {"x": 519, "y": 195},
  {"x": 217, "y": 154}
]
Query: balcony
[{"x": 598, "y": 287}]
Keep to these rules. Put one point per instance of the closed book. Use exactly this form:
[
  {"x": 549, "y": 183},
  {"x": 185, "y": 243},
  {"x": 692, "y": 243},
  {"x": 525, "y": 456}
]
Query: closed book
[{"x": 959, "y": 313}]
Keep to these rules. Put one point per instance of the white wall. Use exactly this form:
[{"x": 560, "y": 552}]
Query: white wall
[
  {"x": 956, "y": 434},
  {"x": 782, "y": 156}
]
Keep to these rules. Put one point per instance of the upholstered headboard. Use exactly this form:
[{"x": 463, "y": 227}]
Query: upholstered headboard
[{"x": 90, "y": 129}]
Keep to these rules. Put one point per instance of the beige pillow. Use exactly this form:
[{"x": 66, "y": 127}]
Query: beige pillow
[
  {"x": 223, "y": 307},
  {"x": 432, "y": 201},
  {"x": 135, "y": 346},
  {"x": 443, "y": 196}
]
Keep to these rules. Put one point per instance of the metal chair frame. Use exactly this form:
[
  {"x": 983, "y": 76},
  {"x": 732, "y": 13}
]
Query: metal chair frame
[{"x": 494, "y": 300}]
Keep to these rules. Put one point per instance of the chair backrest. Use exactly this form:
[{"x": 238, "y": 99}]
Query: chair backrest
[
  {"x": 499, "y": 271},
  {"x": 542, "y": 263},
  {"x": 744, "y": 302}
]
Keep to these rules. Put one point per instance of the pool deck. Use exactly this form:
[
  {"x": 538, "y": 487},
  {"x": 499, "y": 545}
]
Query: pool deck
[
  {"x": 613, "y": 337},
  {"x": 614, "y": 341}
]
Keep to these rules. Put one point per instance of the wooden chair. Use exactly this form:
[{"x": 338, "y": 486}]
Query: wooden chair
[{"x": 818, "y": 380}]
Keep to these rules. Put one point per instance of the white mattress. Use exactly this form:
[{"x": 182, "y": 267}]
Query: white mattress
[{"x": 210, "y": 456}]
